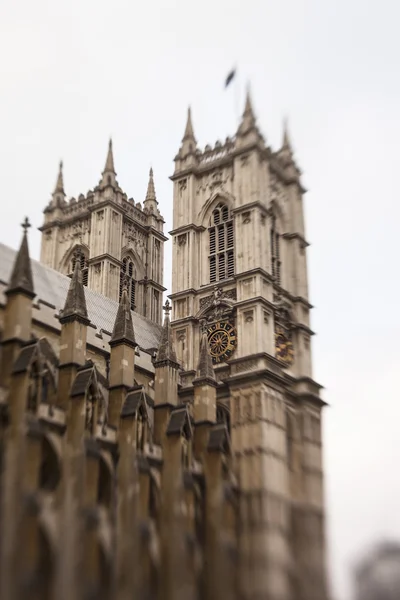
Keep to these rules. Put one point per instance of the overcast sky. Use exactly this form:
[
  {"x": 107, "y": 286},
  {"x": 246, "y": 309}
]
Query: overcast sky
[{"x": 73, "y": 73}]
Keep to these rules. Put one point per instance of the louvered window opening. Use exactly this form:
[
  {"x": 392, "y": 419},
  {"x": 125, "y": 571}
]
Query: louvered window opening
[
  {"x": 128, "y": 270},
  {"x": 221, "y": 237},
  {"x": 275, "y": 253},
  {"x": 84, "y": 268}
]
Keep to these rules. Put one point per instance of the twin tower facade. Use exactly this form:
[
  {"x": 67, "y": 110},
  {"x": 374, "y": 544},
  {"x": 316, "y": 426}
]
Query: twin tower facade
[{"x": 239, "y": 281}]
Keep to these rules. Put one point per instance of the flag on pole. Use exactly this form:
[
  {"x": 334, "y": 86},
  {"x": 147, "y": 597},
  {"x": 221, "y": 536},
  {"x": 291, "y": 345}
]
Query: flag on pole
[{"x": 230, "y": 77}]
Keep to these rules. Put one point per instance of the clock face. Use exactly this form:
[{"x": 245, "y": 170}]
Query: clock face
[
  {"x": 222, "y": 340},
  {"x": 283, "y": 347}
]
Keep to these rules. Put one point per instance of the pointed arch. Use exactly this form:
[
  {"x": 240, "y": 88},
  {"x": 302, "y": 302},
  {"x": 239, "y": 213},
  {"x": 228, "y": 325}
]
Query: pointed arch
[
  {"x": 131, "y": 269},
  {"x": 220, "y": 197},
  {"x": 67, "y": 264}
]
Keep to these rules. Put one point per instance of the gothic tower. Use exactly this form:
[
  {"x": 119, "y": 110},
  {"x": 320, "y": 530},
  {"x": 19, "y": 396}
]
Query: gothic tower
[
  {"x": 116, "y": 237},
  {"x": 240, "y": 277}
]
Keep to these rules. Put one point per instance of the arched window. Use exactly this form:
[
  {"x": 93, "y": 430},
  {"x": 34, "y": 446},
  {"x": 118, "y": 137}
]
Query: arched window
[
  {"x": 222, "y": 261},
  {"x": 128, "y": 270},
  {"x": 83, "y": 264},
  {"x": 275, "y": 252}
]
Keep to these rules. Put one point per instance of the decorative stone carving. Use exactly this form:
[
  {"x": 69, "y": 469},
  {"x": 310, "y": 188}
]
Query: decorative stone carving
[
  {"x": 219, "y": 306},
  {"x": 250, "y": 364},
  {"x": 248, "y": 316},
  {"x": 182, "y": 185},
  {"x": 208, "y": 300},
  {"x": 182, "y": 239},
  {"x": 133, "y": 236},
  {"x": 215, "y": 179}
]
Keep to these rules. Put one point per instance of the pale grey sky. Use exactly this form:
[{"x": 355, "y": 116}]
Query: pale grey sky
[{"x": 73, "y": 73}]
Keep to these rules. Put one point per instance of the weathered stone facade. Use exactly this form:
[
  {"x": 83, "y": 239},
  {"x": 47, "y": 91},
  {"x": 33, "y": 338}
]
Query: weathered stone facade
[
  {"x": 239, "y": 262},
  {"x": 107, "y": 491},
  {"x": 182, "y": 462},
  {"x": 115, "y": 236}
]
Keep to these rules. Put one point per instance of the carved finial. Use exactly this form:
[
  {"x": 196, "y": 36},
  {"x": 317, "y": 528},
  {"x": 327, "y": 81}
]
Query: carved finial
[
  {"x": 59, "y": 189},
  {"x": 189, "y": 134},
  {"x": 151, "y": 192},
  {"x": 25, "y": 225},
  {"x": 167, "y": 308}
]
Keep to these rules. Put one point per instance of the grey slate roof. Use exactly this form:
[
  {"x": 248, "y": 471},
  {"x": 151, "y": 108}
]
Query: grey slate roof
[{"x": 52, "y": 287}]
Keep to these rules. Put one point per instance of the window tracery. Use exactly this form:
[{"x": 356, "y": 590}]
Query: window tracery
[
  {"x": 129, "y": 275},
  {"x": 221, "y": 239}
]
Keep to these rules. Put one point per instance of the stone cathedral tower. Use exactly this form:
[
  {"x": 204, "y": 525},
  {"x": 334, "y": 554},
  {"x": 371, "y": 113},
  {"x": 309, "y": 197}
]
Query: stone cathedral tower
[
  {"x": 240, "y": 278},
  {"x": 115, "y": 236}
]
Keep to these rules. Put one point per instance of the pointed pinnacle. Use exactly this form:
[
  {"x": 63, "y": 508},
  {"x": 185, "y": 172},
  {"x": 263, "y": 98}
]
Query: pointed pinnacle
[
  {"x": 248, "y": 108},
  {"x": 286, "y": 137},
  {"x": 21, "y": 279},
  {"x": 75, "y": 303},
  {"x": 248, "y": 121},
  {"x": 166, "y": 351},
  {"x": 59, "y": 189},
  {"x": 189, "y": 134},
  {"x": 109, "y": 167},
  {"x": 123, "y": 332},
  {"x": 151, "y": 192},
  {"x": 205, "y": 369}
]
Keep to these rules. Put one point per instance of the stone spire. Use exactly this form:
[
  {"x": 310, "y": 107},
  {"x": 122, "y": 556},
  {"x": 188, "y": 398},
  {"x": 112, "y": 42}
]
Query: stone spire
[
  {"x": 189, "y": 143},
  {"x": 286, "y": 152},
  {"x": 21, "y": 280},
  {"x": 109, "y": 174},
  {"x": 75, "y": 303},
  {"x": 58, "y": 195},
  {"x": 286, "y": 138},
  {"x": 151, "y": 200},
  {"x": 109, "y": 166},
  {"x": 59, "y": 189},
  {"x": 205, "y": 369},
  {"x": 248, "y": 122},
  {"x": 166, "y": 352},
  {"x": 123, "y": 332},
  {"x": 189, "y": 133}
]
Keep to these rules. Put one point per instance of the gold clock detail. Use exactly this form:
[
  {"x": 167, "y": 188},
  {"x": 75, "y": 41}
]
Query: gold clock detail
[
  {"x": 283, "y": 346},
  {"x": 222, "y": 340}
]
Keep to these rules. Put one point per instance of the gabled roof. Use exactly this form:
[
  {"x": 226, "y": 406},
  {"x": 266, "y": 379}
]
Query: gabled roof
[{"x": 52, "y": 287}]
